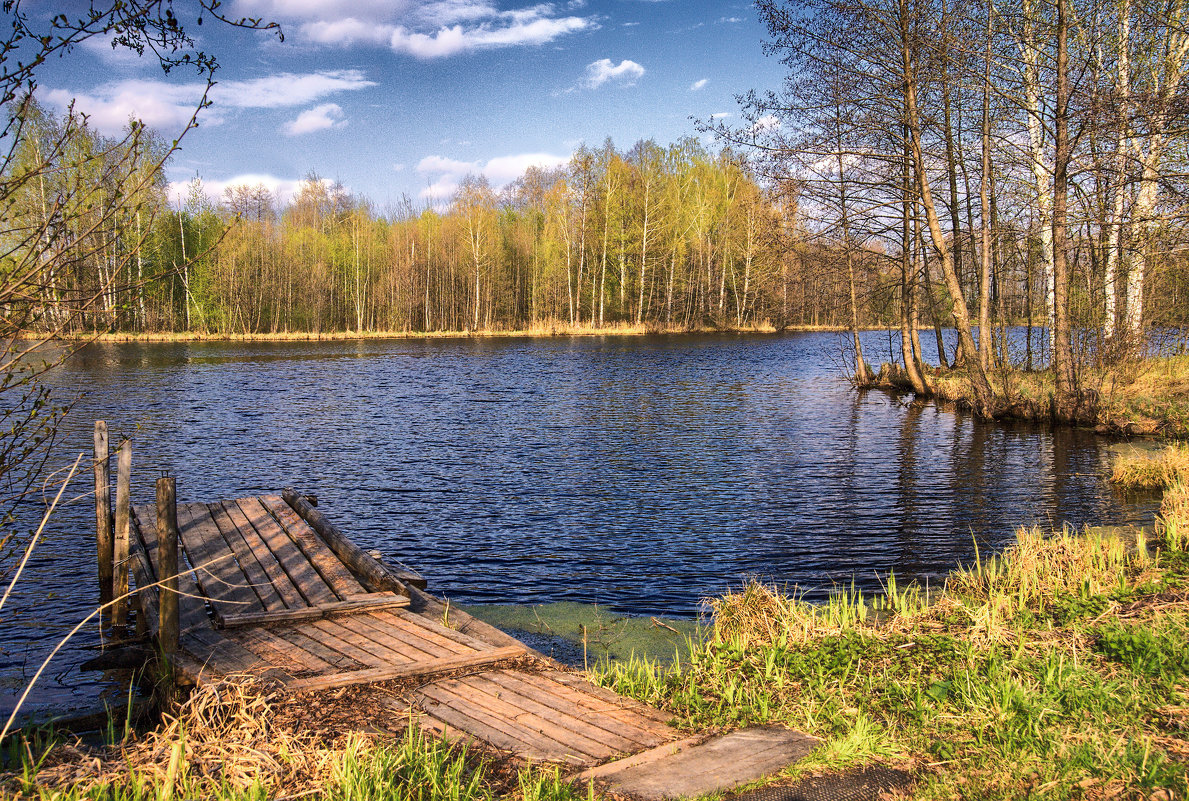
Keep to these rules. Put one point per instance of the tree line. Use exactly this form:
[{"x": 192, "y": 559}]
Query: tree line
[{"x": 651, "y": 236}]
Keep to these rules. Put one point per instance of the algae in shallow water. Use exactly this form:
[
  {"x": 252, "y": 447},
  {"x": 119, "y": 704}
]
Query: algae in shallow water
[{"x": 575, "y": 633}]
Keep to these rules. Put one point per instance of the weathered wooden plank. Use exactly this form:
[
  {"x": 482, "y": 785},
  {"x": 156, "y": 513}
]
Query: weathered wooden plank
[
  {"x": 336, "y": 575},
  {"x": 122, "y": 535},
  {"x": 407, "y": 669},
  {"x": 418, "y": 624},
  {"x": 221, "y": 653},
  {"x": 257, "y": 579},
  {"x": 618, "y": 718},
  {"x": 624, "y": 713},
  {"x": 573, "y": 733},
  {"x": 493, "y": 735},
  {"x": 521, "y": 689},
  {"x": 268, "y": 652},
  {"x": 297, "y": 655},
  {"x": 358, "y": 625},
  {"x": 489, "y": 711},
  {"x": 167, "y": 566},
  {"x": 146, "y": 595},
  {"x": 296, "y": 564},
  {"x": 371, "y": 574},
  {"x": 104, "y": 542},
  {"x": 586, "y": 690},
  {"x": 311, "y": 641},
  {"x": 192, "y": 612},
  {"x": 717, "y": 765},
  {"x": 640, "y": 759},
  {"x": 421, "y": 643},
  {"x": 275, "y": 574},
  {"x": 361, "y": 649},
  {"x": 216, "y": 567},
  {"x": 313, "y": 612}
]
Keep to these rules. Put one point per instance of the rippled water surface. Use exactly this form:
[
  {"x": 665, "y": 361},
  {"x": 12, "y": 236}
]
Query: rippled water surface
[{"x": 639, "y": 473}]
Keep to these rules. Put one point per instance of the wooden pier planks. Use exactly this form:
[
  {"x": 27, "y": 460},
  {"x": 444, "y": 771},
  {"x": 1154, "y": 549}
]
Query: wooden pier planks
[
  {"x": 259, "y": 564},
  {"x": 547, "y": 716},
  {"x": 290, "y": 606}
]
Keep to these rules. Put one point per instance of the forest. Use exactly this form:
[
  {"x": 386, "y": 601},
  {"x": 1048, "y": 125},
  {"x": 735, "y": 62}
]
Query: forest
[
  {"x": 652, "y": 236},
  {"x": 934, "y": 164}
]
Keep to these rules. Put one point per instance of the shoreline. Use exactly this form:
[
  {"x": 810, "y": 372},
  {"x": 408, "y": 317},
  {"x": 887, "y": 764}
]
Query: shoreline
[
  {"x": 1147, "y": 398},
  {"x": 538, "y": 332}
]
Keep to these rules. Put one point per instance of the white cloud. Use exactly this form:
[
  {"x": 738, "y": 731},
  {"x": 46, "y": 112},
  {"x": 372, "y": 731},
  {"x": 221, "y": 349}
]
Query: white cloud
[
  {"x": 445, "y": 174},
  {"x": 283, "y": 189},
  {"x": 101, "y": 46},
  {"x": 600, "y": 72},
  {"x": 318, "y": 118},
  {"x": 721, "y": 115},
  {"x": 346, "y": 32},
  {"x": 422, "y": 29},
  {"x": 698, "y": 84},
  {"x": 457, "y": 39},
  {"x": 287, "y": 89},
  {"x": 729, "y": 20},
  {"x": 168, "y": 106},
  {"x": 766, "y": 123},
  {"x": 159, "y": 105}
]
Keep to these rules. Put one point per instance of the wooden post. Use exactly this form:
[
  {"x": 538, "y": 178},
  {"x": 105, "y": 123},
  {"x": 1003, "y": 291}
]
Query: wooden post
[
  {"x": 167, "y": 564},
  {"x": 103, "y": 531},
  {"x": 119, "y": 616}
]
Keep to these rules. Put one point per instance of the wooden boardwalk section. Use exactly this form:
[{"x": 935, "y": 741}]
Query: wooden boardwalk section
[{"x": 269, "y": 589}]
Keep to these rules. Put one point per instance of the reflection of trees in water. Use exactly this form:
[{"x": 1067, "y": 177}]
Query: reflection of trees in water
[{"x": 908, "y": 526}]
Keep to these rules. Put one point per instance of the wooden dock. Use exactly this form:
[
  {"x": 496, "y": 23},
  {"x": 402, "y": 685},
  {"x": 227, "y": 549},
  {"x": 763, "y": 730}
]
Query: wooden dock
[{"x": 267, "y": 587}]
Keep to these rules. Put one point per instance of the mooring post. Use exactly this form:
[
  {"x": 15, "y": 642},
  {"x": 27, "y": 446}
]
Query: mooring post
[
  {"x": 167, "y": 564},
  {"x": 103, "y": 532},
  {"x": 119, "y": 615}
]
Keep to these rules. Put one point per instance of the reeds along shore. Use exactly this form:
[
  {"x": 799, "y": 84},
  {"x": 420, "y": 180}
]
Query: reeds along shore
[
  {"x": 1148, "y": 397},
  {"x": 538, "y": 331}
]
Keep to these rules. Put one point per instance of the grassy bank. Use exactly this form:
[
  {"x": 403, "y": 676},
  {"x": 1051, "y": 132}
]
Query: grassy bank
[
  {"x": 535, "y": 331},
  {"x": 1057, "y": 670},
  {"x": 1144, "y": 396}
]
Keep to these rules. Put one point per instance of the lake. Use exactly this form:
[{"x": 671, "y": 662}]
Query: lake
[{"x": 640, "y": 473}]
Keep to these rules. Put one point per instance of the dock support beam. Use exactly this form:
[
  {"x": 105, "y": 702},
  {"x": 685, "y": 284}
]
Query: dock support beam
[
  {"x": 103, "y": 526},
  {"x": 167, "y": 565},
  {"x": 119, "y": 616}
]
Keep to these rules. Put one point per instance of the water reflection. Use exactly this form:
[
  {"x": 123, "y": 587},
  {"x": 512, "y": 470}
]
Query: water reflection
[{"x": 643, "y": 474}]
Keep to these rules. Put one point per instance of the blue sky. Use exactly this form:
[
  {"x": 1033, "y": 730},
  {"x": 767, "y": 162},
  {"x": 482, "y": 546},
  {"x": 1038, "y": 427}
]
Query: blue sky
[{"x": 405, "y": 98}]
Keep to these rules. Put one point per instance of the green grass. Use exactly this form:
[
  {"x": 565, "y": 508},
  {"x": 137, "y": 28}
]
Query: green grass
[{"x": 1059, "y": 669}]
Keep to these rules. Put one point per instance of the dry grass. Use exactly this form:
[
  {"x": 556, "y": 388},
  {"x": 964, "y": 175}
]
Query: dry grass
[
  {"x": 551, "y": 329},
  {"x": 1152, "y": 471},
  {"x": 1040, "y": 565},
  {"x": 1142, "y": 396},
  {"x": 222, "y": 737}
]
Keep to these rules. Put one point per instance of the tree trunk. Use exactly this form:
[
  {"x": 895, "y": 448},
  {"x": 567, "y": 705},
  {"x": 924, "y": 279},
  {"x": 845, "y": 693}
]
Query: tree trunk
[{"x": 984, "y": 402}]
